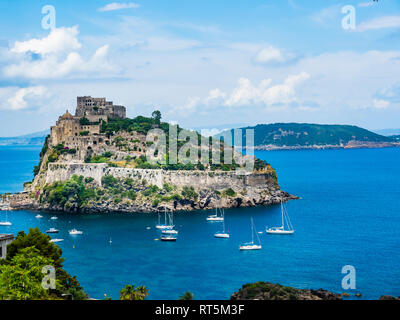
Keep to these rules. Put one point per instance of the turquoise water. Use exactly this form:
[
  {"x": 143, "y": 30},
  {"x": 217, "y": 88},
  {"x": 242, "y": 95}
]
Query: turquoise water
[{"x": 349, "y": 213}]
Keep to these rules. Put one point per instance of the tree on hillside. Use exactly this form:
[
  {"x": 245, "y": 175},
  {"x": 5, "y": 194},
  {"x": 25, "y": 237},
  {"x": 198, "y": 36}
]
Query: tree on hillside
[{"x": 156, "y": 115}]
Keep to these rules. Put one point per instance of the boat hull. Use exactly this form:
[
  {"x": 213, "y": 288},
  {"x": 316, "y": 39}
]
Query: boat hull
[
  {"x": 168, "y": 239},
  {"x": 221, "y": 235},
  {"x": 251, "y": 247},
  {"x": 281, "y": 232}
]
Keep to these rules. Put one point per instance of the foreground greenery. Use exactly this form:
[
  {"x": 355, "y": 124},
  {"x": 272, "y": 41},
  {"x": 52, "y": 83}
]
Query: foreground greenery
[
  {"x": 130, "y": 292},
  {"x": 21, "y": 272}
]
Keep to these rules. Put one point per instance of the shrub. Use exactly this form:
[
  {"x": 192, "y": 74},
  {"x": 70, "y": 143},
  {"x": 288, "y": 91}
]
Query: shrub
[
  {"x": 230, "y": 192},
  {"x": 189, "y": 193}
]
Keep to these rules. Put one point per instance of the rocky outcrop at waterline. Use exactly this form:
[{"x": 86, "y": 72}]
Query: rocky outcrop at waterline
[
  {"x": 102, "y": 189},
  {"x": 270, "y": 291}
]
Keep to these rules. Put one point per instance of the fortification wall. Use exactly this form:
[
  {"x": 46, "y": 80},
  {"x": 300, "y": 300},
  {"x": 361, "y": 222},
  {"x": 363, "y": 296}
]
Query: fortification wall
[{"x": 197, "y": 179}]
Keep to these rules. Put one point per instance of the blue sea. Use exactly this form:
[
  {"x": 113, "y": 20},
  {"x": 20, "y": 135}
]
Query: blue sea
[{"x": 348, "y": 214}]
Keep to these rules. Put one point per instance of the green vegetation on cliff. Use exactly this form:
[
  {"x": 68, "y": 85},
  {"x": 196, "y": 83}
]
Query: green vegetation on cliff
[{"x": 79, "y": 192}]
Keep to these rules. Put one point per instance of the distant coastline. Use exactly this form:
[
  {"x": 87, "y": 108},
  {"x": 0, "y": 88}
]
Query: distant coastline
[
  {"x": 33, "y": 139},
  {"x": 329, "y": 147}
]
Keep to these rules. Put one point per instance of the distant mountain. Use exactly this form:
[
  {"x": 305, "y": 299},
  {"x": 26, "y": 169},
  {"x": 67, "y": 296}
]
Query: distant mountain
[
  {"x": 388, "y": 132},
  {"x": 303, "y": 135},
  {"x": 396, "y": 137},
  {"x": 35, "y": 139}
]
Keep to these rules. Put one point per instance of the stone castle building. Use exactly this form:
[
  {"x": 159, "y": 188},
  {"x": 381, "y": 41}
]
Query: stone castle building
[
  {"x": 95, "y": 109},
  {"x": 75, "y": 130}
]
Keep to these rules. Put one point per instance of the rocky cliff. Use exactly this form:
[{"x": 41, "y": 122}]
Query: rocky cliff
[{"x": 270, "y": 291}]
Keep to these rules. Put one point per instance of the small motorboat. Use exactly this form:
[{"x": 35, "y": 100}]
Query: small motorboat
[
  {"x": 56, "y": 240},
  {"x": 53, "y": 218},
  {"x": 168, "y": 238},
  {"x": 52, "y": 230},
  {"x": 38, "y": 216},
  {"x": 74, "y": 232}
]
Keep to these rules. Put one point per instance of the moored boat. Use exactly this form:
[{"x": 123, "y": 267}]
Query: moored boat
[
  {"x": 168, "y": 238},
  {"x": 75, "y": 232},
  {"x": 251, "y": 245},
  {"x": 286, "y": 228}
]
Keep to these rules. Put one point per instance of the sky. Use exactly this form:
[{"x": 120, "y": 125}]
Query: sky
[{"x": 203, "y": 64}]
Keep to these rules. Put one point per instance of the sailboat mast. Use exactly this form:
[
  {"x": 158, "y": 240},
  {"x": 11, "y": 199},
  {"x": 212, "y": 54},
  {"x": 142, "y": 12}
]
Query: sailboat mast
[{"x": 252, "y": 231}]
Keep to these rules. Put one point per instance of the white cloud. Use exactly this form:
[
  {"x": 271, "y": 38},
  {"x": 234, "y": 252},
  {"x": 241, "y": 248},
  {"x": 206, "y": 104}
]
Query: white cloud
[
  {"x": 57, "y": 58},
  {"x": 246, "y": 95},
  {"x": 58, "y": 41},
  {"x": 270, "y": 54},
  {"x": 327, "y": 15},
  {"x": 379, "y": 23},
  {"x": 285, "y": 93},
  {"x": 365, "y": 4},
  {"x": 118, "y": 6},
  {"x": 21, "y": 98},
  {"x": 380, "y": 104}
]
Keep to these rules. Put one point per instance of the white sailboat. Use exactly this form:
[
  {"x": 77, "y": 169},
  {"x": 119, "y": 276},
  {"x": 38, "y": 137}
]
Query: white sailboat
[
  {"x": 286, "y": 228},
  {"x": 216, "y": 217},
  {"x": 74, "y": 232},
  {"x": 223, "y": 234},
  {"x": 6, "y": 223},
  {"x": 166, "y": 225},
  {"x": 251, "y": 245}
]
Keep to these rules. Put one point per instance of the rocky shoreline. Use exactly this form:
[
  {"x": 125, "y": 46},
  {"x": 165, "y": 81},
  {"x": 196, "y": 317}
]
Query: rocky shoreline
[
  {"x": 269, "y": 291},
  {"x": 207, "y": 201}
]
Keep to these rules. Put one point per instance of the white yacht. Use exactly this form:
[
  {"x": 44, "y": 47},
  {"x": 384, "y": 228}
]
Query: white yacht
[
  {"x": 54, "y": 218},
  {"x": 168, "y": 238},
  {"x": 169, "y": 231},
  {"x": 5, "y": 223},
  {"x": 74, "y": 232},
  {"x": 165, "y": 226},
  {"x": 223, "y": 234},
  {"x": 52, "y": 230},
  {"x": 38, "y": 216},
  {"x": 251, "y": 245},
  {"x": 286, "y": 228},
  {"x": 215, "y": 217}
]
